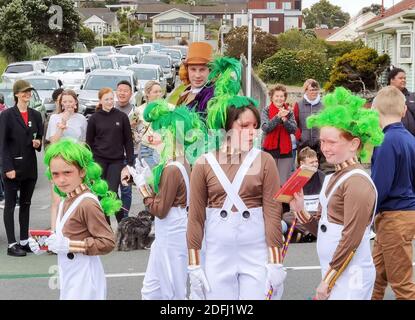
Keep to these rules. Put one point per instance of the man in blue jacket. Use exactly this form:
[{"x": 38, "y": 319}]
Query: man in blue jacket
[{"x": 393, "y": 172}]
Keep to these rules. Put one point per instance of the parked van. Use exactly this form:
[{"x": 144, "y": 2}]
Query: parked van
[{"x": 72, "y": 68}]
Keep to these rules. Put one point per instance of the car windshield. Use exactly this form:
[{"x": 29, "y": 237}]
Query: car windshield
[
  {"x": 146, "y": 49},
  {"x": 43, "y": 84},
  {"x": 96, "y": 82},
  {"x": 106, "y": 63},
  {"x": 173, "y": 54},
  {"x": 145, "y": 74},
  {"x": 65, "y": 64},
  {"x": 160, "y": 60},
  {"x": 123, "y": 61},
  {"x": 19, "y": 68},
  {"x": 130, "y": 51}
]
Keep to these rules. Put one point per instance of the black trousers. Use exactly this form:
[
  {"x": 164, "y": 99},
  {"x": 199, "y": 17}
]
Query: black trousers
[
  {"x": 26, "y": 187},
  {"x": 111, "y": 172}
]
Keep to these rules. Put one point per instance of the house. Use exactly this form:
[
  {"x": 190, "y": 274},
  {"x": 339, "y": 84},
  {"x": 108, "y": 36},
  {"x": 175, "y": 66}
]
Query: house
[
  {"x": 392, "y": 33},
  {"x": 324, "y": 33},
  {"x": 274, "y": 17},
  {"x": 99, "y": 20},
  {"x": 349, "y": 32},
  {"x": 206, "y": 13},
  {"x": 176, "y": 24}
]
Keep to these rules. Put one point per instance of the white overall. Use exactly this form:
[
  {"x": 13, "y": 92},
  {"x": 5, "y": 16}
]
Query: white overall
[
  {"x": 166, "y": 275},
  {"x": 235, "y": 247},
  {"x": 82, "y": 277},
  {"x": 357, "y": 280}
]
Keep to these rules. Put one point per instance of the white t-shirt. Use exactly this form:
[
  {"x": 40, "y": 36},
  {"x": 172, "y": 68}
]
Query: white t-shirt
[{"x": 76, "y": 126}]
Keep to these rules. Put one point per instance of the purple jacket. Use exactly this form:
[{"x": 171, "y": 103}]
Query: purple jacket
[{"x": 199, "y": 104}]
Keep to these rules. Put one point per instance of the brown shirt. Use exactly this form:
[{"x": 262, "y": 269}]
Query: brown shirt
[
  {"x": 257, "y": 190},
  {"x": 87, "y": 223},
  {"x": 172, "y": 191},
  {"x": 351, "y": 205}
]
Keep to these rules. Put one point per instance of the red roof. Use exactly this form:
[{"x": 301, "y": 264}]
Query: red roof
[
  {"x": 399, "y": 7},
  {"x": 325, "y": 33}
]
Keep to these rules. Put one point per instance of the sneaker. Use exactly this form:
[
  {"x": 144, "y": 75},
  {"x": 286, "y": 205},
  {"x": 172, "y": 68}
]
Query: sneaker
[
  {"x": 25, "y": 248},
  {"x": 16, "y": 251}
]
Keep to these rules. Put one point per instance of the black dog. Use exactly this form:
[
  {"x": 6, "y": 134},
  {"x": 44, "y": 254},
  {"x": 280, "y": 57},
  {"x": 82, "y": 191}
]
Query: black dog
[{"x": 133, "y": 232}]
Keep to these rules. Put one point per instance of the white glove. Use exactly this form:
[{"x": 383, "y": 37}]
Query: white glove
[
  {"x": 57, "y": 244},
  {"x": 142, "y": 167},
  {"x": 275, "y": 279},
  {"x": 137, "y": 176},
  {"x": 198, "y": 283},
  {"x": 34, "y": 246}
]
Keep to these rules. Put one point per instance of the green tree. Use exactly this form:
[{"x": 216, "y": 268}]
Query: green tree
[
  {"x": 300, "y": 40},
  {"x": 264, "y": 44},
  {"x": 324, "y": 13},
  {"x": 59, "y": 37},
  {"x": 115, "y": 38},
  {"x": 15, "y": 29},
  {"x": 375, "y": 8},
  {"x": 358, "y": 70},
  {"x": 87, "y": 36}
]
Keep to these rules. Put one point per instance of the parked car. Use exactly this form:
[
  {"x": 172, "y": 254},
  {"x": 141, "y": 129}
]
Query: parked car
[
  {"x": 6, "y": 89},
  {"x": 98, "y": 79},
  {"x": 108, "y": 62},
  {"x": 176, "y": 56},
  {"x": 19, "y": 70},
  {"x": 45, "y": 85},
  {"x": 166, "y": 63},
  {"x": 104, "y": 50},
  {"x": 146, "y": 47},
  {"x": 72, "y": 68},
  {"x": 147, "y": 72},
  {"x": 123, "y": 60},
  {"x": 45, "y": 60},
  {"x": 135, "y": 51},
  {"x": 119, "y": 46},
  {"x": 183, "y": 50}
]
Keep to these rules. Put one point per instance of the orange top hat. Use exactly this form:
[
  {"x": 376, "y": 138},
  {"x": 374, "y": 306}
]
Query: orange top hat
[{"x": 199, "y": 53}]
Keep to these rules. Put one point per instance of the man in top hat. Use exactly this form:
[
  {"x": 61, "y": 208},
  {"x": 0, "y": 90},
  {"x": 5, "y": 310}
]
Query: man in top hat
[{"x": 195, "y": 69}]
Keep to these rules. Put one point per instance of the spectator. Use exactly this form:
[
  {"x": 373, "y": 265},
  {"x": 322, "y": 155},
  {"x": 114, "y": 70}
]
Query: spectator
[
  {"x": 66, "y": 122},
  {"x": 55, "y": 97},
  {"x": 393, "y": 172},
  {"x": 2, "y": 108},
  {"x": 397, "y": 78},
  {"x": 278, "y": 122},
  {"x": 124, "y": 93},
  {"x": 150, "y": 141},
  {"x": 109, "y": 137},
  {"x": 21, "y": 131}
]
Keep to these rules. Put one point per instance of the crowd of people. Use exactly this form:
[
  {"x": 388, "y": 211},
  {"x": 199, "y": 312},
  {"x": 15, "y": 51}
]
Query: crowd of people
[{"x": 216, "y": 219}]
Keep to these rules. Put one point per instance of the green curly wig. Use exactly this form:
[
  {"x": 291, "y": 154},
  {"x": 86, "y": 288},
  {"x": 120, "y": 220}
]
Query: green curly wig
[
  {"x": 345, "y": 111},
  {"x": 80, "y": 155},
  {"x": 178, "y": 125}
]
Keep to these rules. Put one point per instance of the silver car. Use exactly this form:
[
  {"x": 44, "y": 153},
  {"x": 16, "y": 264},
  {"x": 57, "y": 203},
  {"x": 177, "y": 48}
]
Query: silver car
[
  {"x": 147, "y": 72},
  {"x": 135, "y": 51},
  {"x": 104, "y": 50},
  {"x": 45, "y": 85},
  {"x": 176, "y": 56},
  {"x": 98, "y": 79},
  {"x": 123, "y": 60},
  {"x": 166, "y": 63},
  {"x": 108, "y": 62},
  {"x": 19, "y": 70}
]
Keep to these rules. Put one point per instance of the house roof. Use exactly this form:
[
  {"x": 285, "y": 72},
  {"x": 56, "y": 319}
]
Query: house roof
[
  {"x": 325, "y": 33},
  {"x": 102, "y": 13},
  {"x": 177, "y": 10},
  {"x": 397, "y": 8},
  {"x": 212, "y": 9}
]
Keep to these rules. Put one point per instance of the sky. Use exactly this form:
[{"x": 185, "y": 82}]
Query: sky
[{"x": 352, "y": 6}]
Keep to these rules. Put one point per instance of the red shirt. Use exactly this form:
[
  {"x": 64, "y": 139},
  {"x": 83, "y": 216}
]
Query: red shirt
[{"x": 25, "y": 116}]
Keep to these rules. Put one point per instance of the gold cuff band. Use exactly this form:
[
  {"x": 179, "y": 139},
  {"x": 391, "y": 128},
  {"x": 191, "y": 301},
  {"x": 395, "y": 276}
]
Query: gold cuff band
[
  {"x": 194, "y": 257},
  {"x": 274, "y": 255}
]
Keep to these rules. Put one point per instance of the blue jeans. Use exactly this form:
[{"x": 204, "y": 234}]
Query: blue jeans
[
  {"x": 126, "y": 194},
  {"x": 150, "y": 156}
]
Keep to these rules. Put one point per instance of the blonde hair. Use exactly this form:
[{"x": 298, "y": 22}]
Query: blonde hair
[
  {"x": 310, "y": 82},
  {"x": 149, "y": 85},
  {"x": 67, "y": 92},
  {"x": 305, "y": 153},
  {"x": 101, "y": 93},
  {"x": 390, "y": 101}
]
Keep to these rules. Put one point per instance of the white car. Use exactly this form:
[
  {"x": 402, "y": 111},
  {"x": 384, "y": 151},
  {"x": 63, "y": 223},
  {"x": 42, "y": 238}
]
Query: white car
[
  {"x": 19, "y": 70},
  {"x": 123, "y": 60}
]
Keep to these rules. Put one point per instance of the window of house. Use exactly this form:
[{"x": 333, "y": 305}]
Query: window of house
[
  {"x": 405, "y": 44},
  {"x": 238, "y": 22},
  {"x": 210, "y": 17},
  {"x": 274, "y": 19},
  {"x": 271, "y": 5},
  {"x": 258, "y": 22},
  {"x": 286, "y": 5}
]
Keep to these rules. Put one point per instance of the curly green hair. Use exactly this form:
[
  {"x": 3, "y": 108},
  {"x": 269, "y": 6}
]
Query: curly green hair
[
  {"x": 175, "y": 125},
  {"x": 345, "y": 111},
  {"x": 79, "y": 154}
]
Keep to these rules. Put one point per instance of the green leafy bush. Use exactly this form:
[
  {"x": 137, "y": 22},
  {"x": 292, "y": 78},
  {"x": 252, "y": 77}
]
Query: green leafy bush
[
  {"x": 358, "y": 70},
  {"x": 37, "y": 50}
]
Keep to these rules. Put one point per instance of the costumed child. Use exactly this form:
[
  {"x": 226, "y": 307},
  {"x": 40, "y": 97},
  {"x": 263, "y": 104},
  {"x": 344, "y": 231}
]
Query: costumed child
[
  {"x": 347, "y": 199},
  {"x": 82, "y": 233},
  {"x": 232, "y": 209},
  {"x": 180, "y": 128}
]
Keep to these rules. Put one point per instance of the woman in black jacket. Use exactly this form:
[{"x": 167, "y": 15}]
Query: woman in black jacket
[
  {"x": 21, "y": 131},
  {"x": 109, "y": 136}
]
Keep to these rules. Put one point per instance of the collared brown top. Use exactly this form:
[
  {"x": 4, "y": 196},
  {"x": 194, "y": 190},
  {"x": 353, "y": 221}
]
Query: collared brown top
[
  {"x": 172, "y": 191},
  {"x": 351, "y": 206},
  {"x": 257, "y": 190},
  {"x": 87, "y": 223}
]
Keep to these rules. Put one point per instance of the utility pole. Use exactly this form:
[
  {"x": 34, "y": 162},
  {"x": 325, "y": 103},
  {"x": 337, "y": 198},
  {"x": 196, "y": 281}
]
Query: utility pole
[{"x": 249, "y": 71}]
